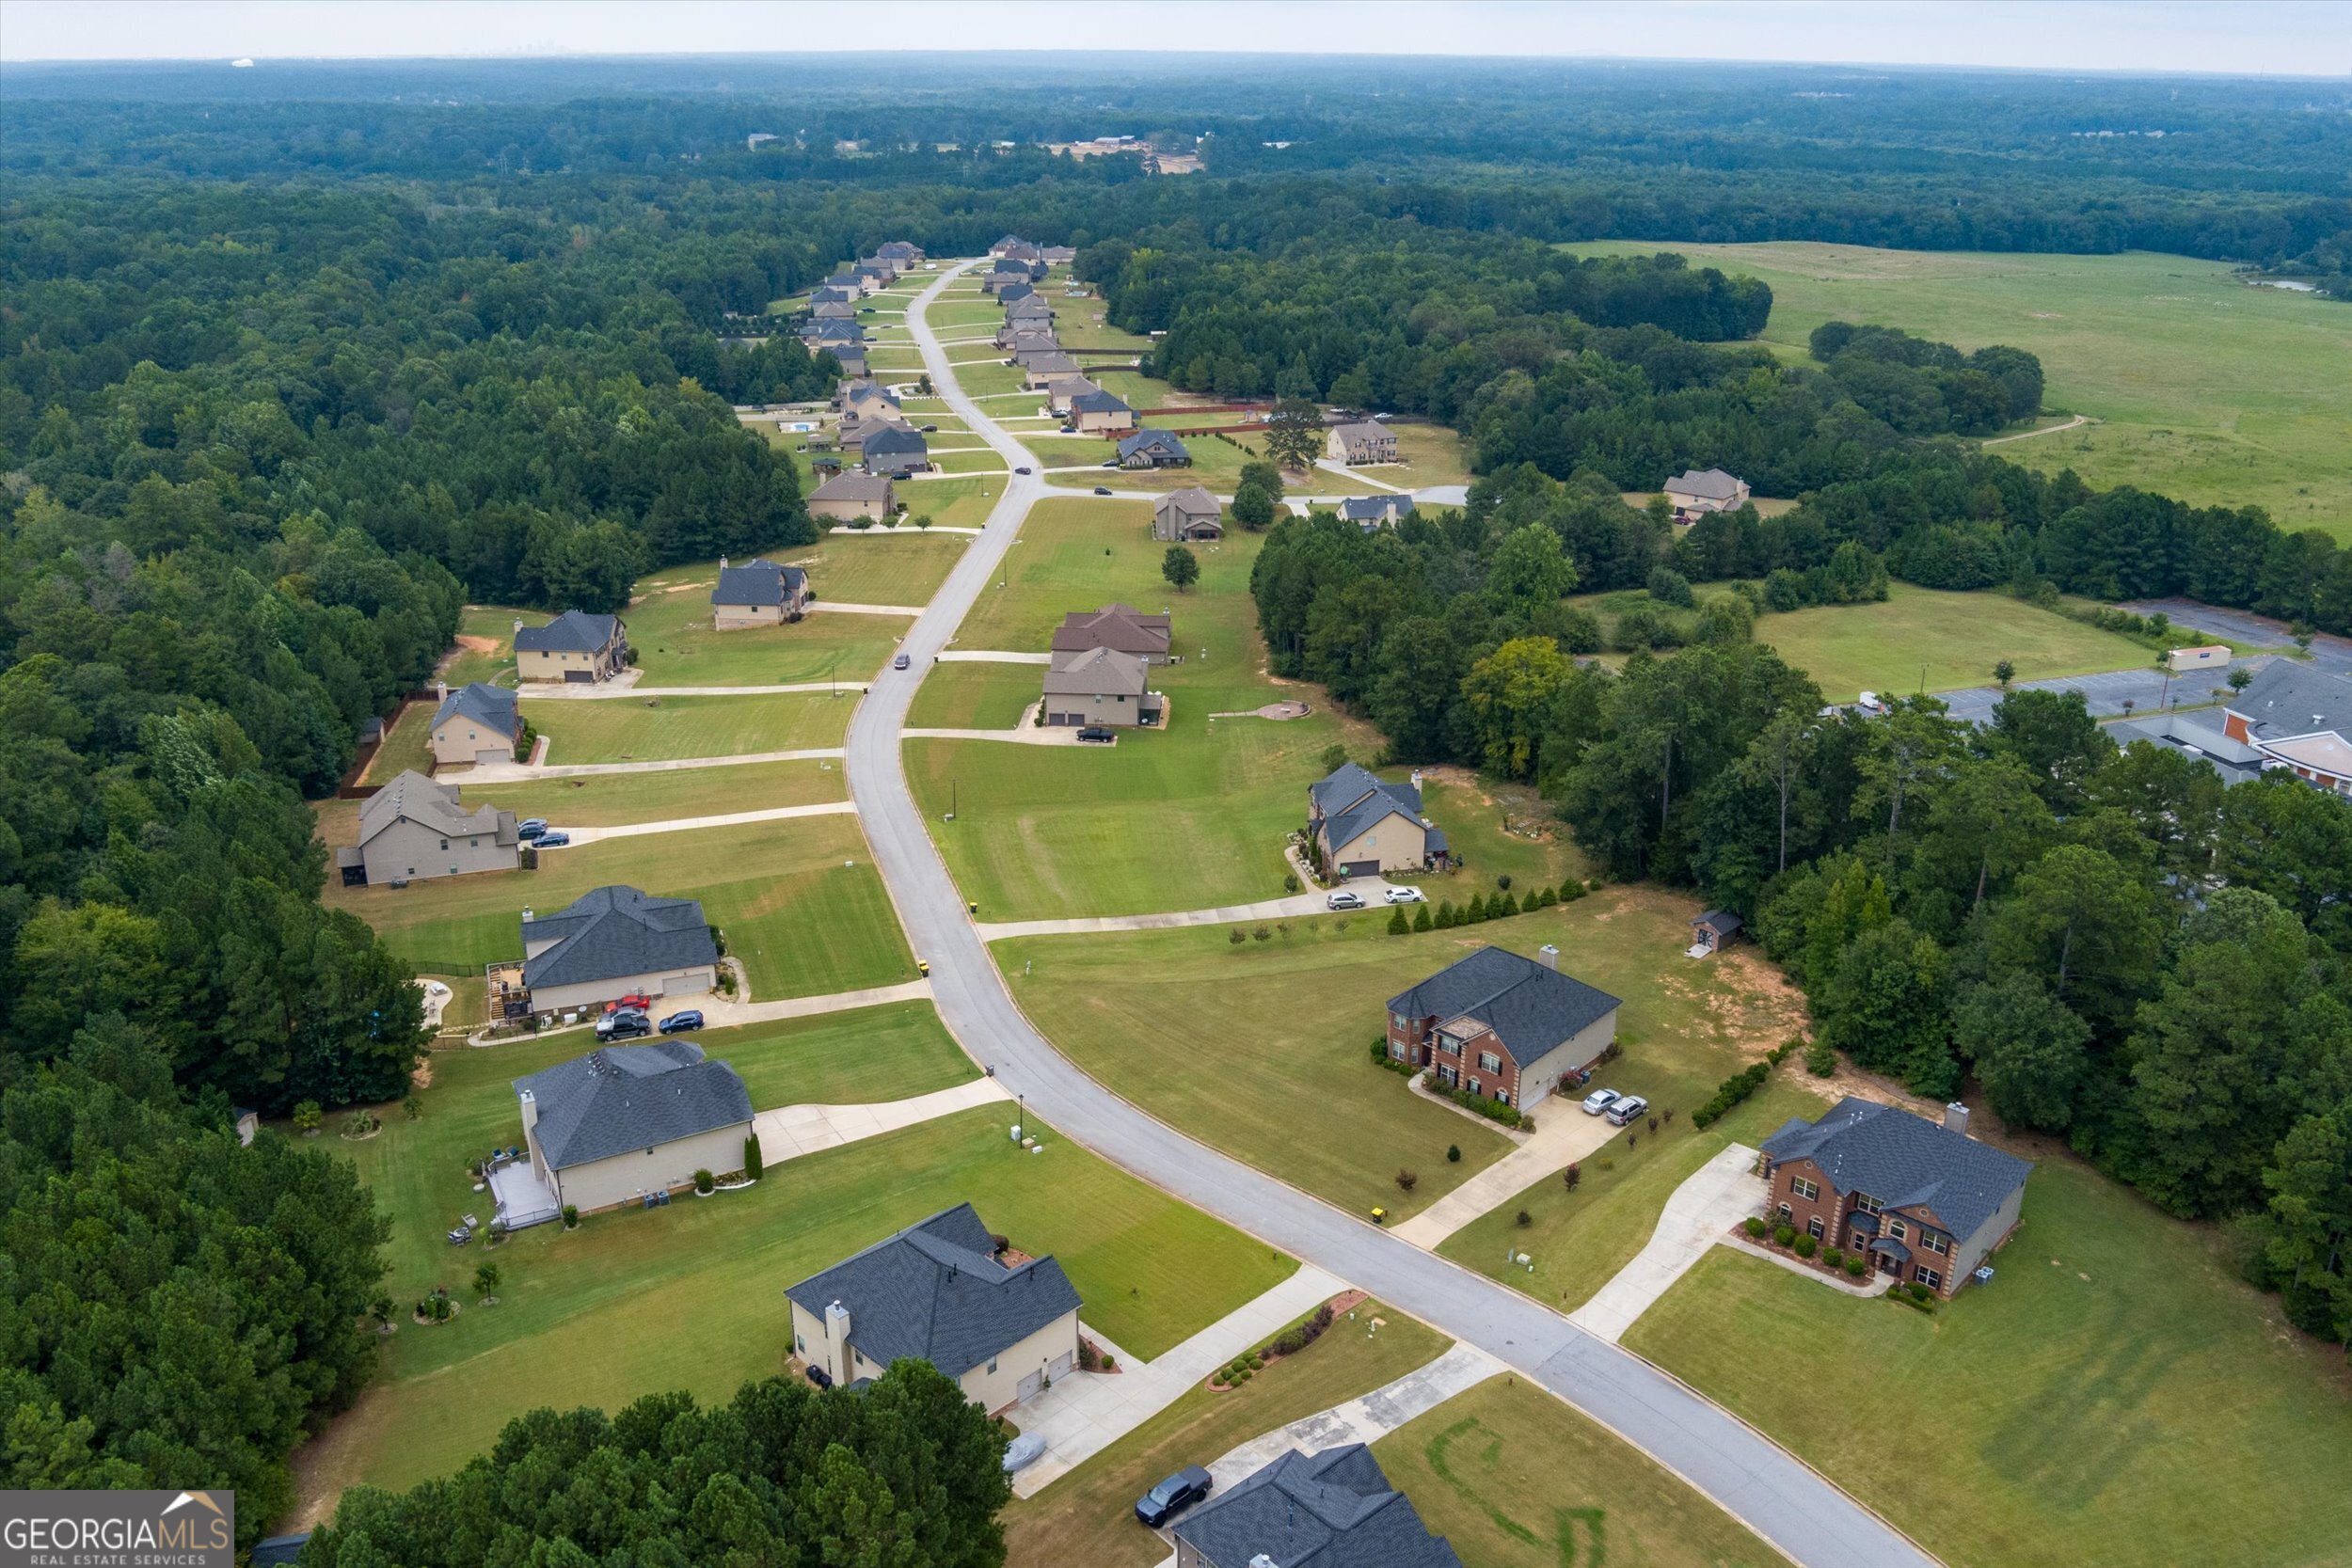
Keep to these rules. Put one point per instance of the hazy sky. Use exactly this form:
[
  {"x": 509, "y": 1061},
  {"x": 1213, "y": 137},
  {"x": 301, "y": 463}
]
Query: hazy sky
[{"x": 2265, "y": 36}]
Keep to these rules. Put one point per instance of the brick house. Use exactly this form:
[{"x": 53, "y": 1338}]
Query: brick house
[
  {"x": 1926, "y": 1203},
  {"x": 1502, "y": 1026}
]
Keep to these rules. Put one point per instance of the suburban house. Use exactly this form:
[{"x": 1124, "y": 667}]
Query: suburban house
[
  {"x": 896, "y": 451},
  {"x": 1020, "y": 288},
  {"x": 476, "y": 724},
  {"x": 850, "y": 495},
  {"x": 1925, "y": 1202},
  {"x": 832, "y": 296},
  {"x": 881, "y": 264},
  {"x": 628, "y": 1120},
  {"x": 616, "y": 942},
  {"x": 1027, "y": 334},
  {"x": 1100, "y": 686},
  {"x": 1099, "y": 413},
  {"x": 850, "y": 357},
  {"x": 2211, "y": 656},
  {"x": 937, "y": 1292},
  {"x": 1330, "y": 1509},
  {"x": 1710, "y": 931},
  {"x": 1033, "y": 308},
  {"x": 757, "y": 593},
  {"x": 1043, "y": 367},
  {"x": 1509, "y": 1028},
  {"x": 1057, "y": 255},
  {"x": 413, "y": 829},
  {"x": 1365, "y": 441},
  {"x": 575, "y": 646},
  {"x": 1376, "y": 512},
  {"x": 1014, "y": 246},
  {"x": 1367, "y": 828},
  {"x": 2290, "y": 718},
  {"x": 873, "y": 277},
  {"x": 855, "y": 431},
  {"x": 1118, "y": 626},
  {"x": 846, "y": 282},
  {"x": 1059, "y": 393},
  {"x": 1694, "y": 493},
  {"x": 901, "y": 254},
  {"x": 867, "y": 399},
  {"x": 1187, "y": 515},
  {"x": 1153, "y": 448},
  {"x": 830, "y": 333},
  {"x": 831, "y": 310}
]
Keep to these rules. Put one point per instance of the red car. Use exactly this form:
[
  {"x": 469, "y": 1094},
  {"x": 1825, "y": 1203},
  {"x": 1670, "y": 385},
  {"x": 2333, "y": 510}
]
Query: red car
[{"x": 632, "y": 1003}]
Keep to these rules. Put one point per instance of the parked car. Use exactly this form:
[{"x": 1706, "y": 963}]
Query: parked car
[
  {"x": 931, "y": 429},
  {"x": 1869, "y": 702},
  {"x": 1629, "y": 1109},
  {"x": 1101, "y": 489},
  {"x": 1405, "y": 896},
  {"x": 677, "y": 1023},
  {"x": 820, "y": 1377},
  {"x": 1172, "y": 1497},
  {"x": 1021, "y": 471},
  {"x": 551, "y": 841},
  {"x": 635, "y": 1002},
  {"x": 1599, "y": 1101},
  {"x": 901, "y": 663},
  {"x": 530, "y": 828},
  {"x": 623, "y": 1026},
  {"x": 1097, "y": 734},
  {"x": 1343, "y": 899},
  {"x": 1112, "y": 463}
]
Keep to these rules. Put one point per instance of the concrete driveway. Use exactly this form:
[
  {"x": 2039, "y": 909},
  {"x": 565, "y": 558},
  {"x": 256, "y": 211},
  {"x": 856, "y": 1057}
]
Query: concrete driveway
[
  {"x": 1564, "y": 1134},
  {"x": 685, "y": 824},
  {"x": 1292, "y": 908},
  {"x": 790, "y": 1131},
  {"x": 1712, "y": 1199},
  {"x": 518, "y": 772},
  {"x": 1365, "y": 1420},
  {"x": 721, "y": 1012}
]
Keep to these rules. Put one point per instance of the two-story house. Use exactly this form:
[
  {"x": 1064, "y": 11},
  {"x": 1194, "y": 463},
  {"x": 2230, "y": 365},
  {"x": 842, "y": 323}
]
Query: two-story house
[
  {"x": 1502, "y": 1026},
  {"x": 575, "y": 646},
  {"x": 1363, "y": 826}
]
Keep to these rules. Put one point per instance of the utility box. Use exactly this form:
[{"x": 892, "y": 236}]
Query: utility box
[{"x": 2213, "y": 655}]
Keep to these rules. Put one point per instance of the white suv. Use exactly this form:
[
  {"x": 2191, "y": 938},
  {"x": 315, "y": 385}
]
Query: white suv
[{"x": 1405, "y": 896}]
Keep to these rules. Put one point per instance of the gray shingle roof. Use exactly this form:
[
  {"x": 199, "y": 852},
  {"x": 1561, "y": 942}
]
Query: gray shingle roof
[
  {"x": 2286, "y": 699},
  {"x": 830, "y": 332},
  {"x": 619, "y": 1097},
  {"x": 1095, "y": 672},
  {"x": 1161, "y": 441},
  {"x": 414, "y": 797},
  {"x": 895, "y": 440},
  {"x": 1903, "y": 1161},
  {"x": 575, "y": 631},
  {"x": 759, "y": 582},
  {"x": 859, "y": 389},
  {"x": 1048, "y": 362},
  {"x": 1021, "y": 289},
  {"x": 493, "y": 707},
  {"x": 935, "y": 1290},
  {"x": 1722, "y": 923},
  {"x": 851, "y": 488},
  {"x": 614, "y": 932},
  {"x": 1707, "y": 483},
  {"x": 1192, "y": 500},
  {"x": 1376, "y": 509},
  {"x": 1330, "y": 1509},
  {"x": 1114, "y": 626},
  {"x": 1530, "y": 1009},
  {"x": 1351, "y": 798},
  {"x": 1031, "y": 308},
  {"x": 1099, "y": 402}
]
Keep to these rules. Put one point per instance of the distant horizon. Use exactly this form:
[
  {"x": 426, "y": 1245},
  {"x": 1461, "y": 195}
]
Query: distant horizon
[{"x": 2257, "y": 40}]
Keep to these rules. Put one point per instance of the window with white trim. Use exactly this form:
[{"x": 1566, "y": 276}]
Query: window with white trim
[
  {"x": 1804, "y": 1189},
  {"x": 1935, "y": 1243},
  {"x": 1928, "y": 1277},
  {"x": 1866, "y": 1203},
  {"x": 1814, "y": 1228},
  {"x": 991, "y": 1365},
  {"x": 1489, "y": 1061},
  {"x": 1896, "y": 1230}
]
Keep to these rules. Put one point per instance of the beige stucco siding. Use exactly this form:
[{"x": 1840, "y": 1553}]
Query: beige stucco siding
[
  {"x": 1968, "y": 1254},
  {"x": 1054, "y": 1348},
  {"x": 1538, "y": 1078},
  {"x": 1109, "y": 710},
  {"x": 735, "y": 617},
  {"x": 843, "y": 511},
  {"x": 462, "y": 742},
  {"x": 684, "y": 982},
  {"x": 623, "y": 1177},
  {"x": 411, "y": 850},
  {"x": 1397, "y": 842}
]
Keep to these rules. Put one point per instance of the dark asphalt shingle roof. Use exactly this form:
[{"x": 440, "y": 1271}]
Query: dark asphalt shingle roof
[
  {"x": 1351, "y": 798},
  {"x": 1330, "y": 1509},
  {"x": 1114, "y": 625},
  {"x": 1530, "y": 1009},
  {"x": 1021, "y": 289},
  {"x": 614, "y": 932},
  {"x": 493, "y": 707},
  {"x": 1376, "y": 509},
  {"x": 2289, "y": 698},
  {"x": 896, "y": 440},
  {"x": 1722, "y": 923},
  {"x": 1903, "y": 1161},
  {"x": 1099, "y": 402},
  {"x": 759, "y": 582},
  {"x": 1708, "y": 483},
  {"x": 575, "y": 631},
  {"x": 1150, "y": 441},
  {"x": 619, "y": 1097},
  {"x": 935, "y": 1290},
  {"x": 831, "y": 331}
]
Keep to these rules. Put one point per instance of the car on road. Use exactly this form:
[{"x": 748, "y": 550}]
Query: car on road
[
  {"x": 1172, "y": 1497},
  {"x": 899, "y": 663},
  {"x": 1405, "y": 896},
  {"x": 677, "y": 1023},
  {"x": 1097, "y": 734},
  {"x": 551, "y": 841},
  {"x": 623, "y": 1026},
  {"x": 1345, "y": 901},
  {"x": 1021, "y": 471},
  {"x": 1101, "y": 489},
  {"x": 1599, "y": 1101},
  {"x": 1627, "y": 1110},
  {"x": 530, "y": 828}
]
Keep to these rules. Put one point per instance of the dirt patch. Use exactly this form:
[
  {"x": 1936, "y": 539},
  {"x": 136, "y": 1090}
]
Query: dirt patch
[
  {"x": 423, "y": 1077},
  {"x": 481, "y": 644}
]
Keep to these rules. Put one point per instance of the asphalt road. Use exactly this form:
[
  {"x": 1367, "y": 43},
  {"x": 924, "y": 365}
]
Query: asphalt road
[{"x": 1752, "y": 1477}]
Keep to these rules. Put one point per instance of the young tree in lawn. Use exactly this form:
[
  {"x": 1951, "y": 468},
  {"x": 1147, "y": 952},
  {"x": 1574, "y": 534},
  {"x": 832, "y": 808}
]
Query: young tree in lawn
[
  {"x": 1181, "y": 567},
  {"x": 2004, "y": 671},
  {"x": 1294, "y": 433},
  {"x": 485, "y": 1281}
]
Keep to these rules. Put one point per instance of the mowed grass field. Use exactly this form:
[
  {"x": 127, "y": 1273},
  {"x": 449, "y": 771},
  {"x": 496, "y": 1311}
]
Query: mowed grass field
[
  {"x": 1292, "y": 1089},
  {"x": 2205, "y": 389},
  {"x": 2090, "y": 1406},
  {"x": 1514, "y": 1478},
  {"x": 407, "y": 745},
  {"x": 652, "y": 729},
  {"x": 976, "y": 696},
  {"x": 1087, "y": 1517},
  {"x": 1926, "y": 639},
  {"x": 690, "y": 1296},
  {"x": 799, "y": 901},
  {"x": 960, "y": 502},
  {"x": 882, "y": 565},
  {"x": 1191, "y": 815},
  {"x": 611, "y": 799},
  {"x": 678, "y": 646}
]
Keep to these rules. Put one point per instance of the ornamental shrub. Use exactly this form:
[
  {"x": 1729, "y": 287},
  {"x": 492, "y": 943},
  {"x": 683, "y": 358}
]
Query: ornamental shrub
[
  {"x": 1526, "y": 1219},
  {"x": 1854, "y": 1265},
  {"x": 1733, "y": 1090},
  {"x": 1808, "y": 1247},
  {"x": 704, "y": 1182},
  {"x": 1571, "y": 891},
  {"x": 1833, "y": 1257},
  {"x": 1510, "y": 905},
  {"x": 1755, "y": 1227},
  {"x": 1445, "y": 914},
  {"x": 1398, "y": 924},
  {"x": 752, "y": 1165},
  {"x": 1453, "y": 1154},
  {"x": 1422, "y": 920},
  {"x": 1407, "y": 1180},
  {"x": 1820, "y": 1058},
  {"x": 1784, "y": 1234}
]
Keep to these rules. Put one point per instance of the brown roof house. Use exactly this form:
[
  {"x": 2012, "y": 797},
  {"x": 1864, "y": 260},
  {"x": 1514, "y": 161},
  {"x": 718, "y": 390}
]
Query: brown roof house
[
  {"x": 868, "y": 400},
  {"x": 1363, "y": 826},
  {"x": 847, "y": 495},
  {"x": 1101, "y": 686},
  {"x": 1508, "y": 1028},
  {"x": 1118, "y": 627},
  {"x": 757, "y": 593},
  {"x": 476, "y": 724},
  {"x": 413, "y": 829},
  {"x": 937, "y": 1292},
  {"x": 615, "y": 942},
  {"x": 1365, "y": 441},
  {"x": 1695, "y": 492},
  {"x": 624, "y": 1122},
  {"x": 1925, "y": 1202},
  {"x": 575, "y": 646},
  {"x": 1187, "y": 516}
]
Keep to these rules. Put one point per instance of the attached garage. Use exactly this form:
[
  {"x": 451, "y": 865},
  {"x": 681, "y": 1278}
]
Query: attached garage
[
  {"x": 1359, "y": 868},
  {"x": 579, "y": 677}
]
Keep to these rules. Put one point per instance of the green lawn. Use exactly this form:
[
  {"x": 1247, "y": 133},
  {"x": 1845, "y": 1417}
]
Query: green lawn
[
  {"x": 889, "y": 1053},
  {"x": 974, "y": 696},
  {"x": 1433, "y": 454},
  {"x": 1956, "y": 637},
  {"x": 1294, "y": 1091},
  {"x": 799, "y": 901},
  {"x": 1087, "y": 1517},
  {"x": 954, "y": 503},
  {"x": 626, "y": 729},
  {"x": 677, "y": 645},
  {"x": 882, "y": 565},
  {"x": 1533, "y": 850},
  {"x": 980, "y": 460},
  {"x": 689, "y": 1296},
  {"x": 2207, "y": 389},
  {"x": 2113, "y": 1394},
  {"x": 983, "y": 375},
  {"x": 1514, "y": 1478},
  {"x": 408, "y": 744},
  {"x": 604, "y": 800},
  {"x": 485, "y": 635}
]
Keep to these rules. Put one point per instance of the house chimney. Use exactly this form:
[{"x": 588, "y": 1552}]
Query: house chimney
[
  {"x": 1548, "y": 957},
  {"x": 837, "y": 1344},
  {"x": 723, "y": 563},
  {"x": 518, "y": 626},
  {"x": 526, "y": 914},
  {"x": 531, "y": 1110},
  {"x": 440, "y": 691},
  {"x": 1956, "y": 1118}
]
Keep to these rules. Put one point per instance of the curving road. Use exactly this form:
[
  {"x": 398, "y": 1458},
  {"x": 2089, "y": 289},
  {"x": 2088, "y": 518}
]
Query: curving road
[{"x": 1752, "y": 1477}]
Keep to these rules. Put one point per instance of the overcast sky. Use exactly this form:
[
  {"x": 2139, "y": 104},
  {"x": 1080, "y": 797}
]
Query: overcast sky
[{"x": 2254, "y": 37}]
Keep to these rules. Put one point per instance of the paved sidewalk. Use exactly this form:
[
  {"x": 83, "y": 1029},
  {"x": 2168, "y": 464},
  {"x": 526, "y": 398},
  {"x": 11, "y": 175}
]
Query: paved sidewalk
[
  {"x": 584, "y": 693},
  {"x": 685, "y": 824},
  {"x": 790, "y": 1131},
  {"x": 1564, "y": 1134},
  {"x": 1366, "y": 1419},
  {"x": 1087, "y": 1412},
  {"x": 1716, "y": 1197},
  {"x": 838, "y": 607},
  {"x": 1877, "y": 1284},
  {"x": 1271, "y": 909},
  {"x": 518, "y": 772},
  {"x": 719, "y": 1012}
]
